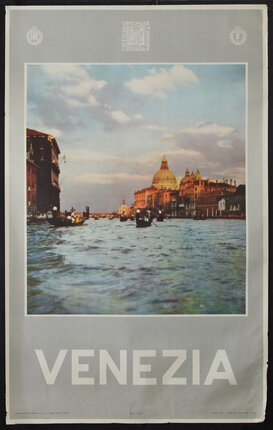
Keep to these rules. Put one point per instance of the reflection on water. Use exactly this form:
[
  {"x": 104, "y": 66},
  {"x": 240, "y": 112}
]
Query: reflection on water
[{"x": 180, "y": 266}]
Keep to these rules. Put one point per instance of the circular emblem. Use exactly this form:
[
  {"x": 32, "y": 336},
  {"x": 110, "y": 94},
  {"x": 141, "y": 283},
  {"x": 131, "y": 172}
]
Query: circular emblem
[
  {"x": 34, "y": 36},
  {"x": 238, "y": 36}
]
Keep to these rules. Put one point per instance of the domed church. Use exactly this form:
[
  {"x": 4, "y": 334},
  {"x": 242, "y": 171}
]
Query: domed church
[
  {"x": 164, "y": 178},
  {"x": 159, "y": 194}
]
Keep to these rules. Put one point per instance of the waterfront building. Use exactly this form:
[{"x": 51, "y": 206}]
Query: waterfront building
[
  {"x": 209, "y": 199},
  {"x": 43, "y": 152},
  {"x": 190, "y": 187},
  {"x": 32, "y": 174},
  {"x": 233, "y": 204},
  {"x": 195, "y": 196},
  {"x": 199, "y": 196},
  {"x": 124, "y": 210},
  {"x": 160, "y": 194}
]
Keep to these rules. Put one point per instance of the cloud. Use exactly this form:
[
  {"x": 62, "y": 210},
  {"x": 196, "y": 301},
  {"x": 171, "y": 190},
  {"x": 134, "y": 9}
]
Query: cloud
[
  {"x": 109, "y": 178},
  {"x": 158, "y": 83},
  {"x": 167, "y": 135},
  {"x": 73, "y": 83},
  {"x": 183, "y": 152},
  {"x": 207, "y": 128},
  {"x": 153, "y": 127},
  {"x": 138, "y": 116},
  {"x": 221, "y": 148},
  {"x": 224, "y": 144},
  {"x": 120, "y": 117},
  {"x": 85, "y": 156}
]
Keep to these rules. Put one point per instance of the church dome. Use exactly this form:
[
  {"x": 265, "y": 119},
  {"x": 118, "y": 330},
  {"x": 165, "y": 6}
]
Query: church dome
[
  {"x": 189, "y": 177},
  {"x": 164, "y": 178}
]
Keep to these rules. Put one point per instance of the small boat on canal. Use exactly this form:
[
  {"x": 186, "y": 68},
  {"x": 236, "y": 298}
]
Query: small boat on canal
[
  {"x": 160, "y": 217},
  {"x": 123, "y": 218},
  {"x": 65, "y": 222},
  {"x": 144, "y": 220},
  {"x": 143, "y": 223},
  {"x": 200, "y": 217}
]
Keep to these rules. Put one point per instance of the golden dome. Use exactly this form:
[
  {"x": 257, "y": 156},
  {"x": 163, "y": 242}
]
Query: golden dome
[
  {"x": 165, "y": 178},
  {"x": 186, "y": 178}
]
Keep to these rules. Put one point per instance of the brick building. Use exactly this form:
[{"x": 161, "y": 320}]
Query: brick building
[
  {"x": 195, "y": 196},
  {"x": 208, "y": 201},
  {"x": 42, "y": 171},
  {"x": 160, "y": 194},
  {"x": 32, "y": 174}
]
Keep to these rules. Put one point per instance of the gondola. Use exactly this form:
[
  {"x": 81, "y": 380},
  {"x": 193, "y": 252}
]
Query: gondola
[
  {"x": 140, "y": 222},
  {"x": 123, "y": 218},
  {"x": 160, "y": 218},
  {"x": 64, "y": 222}
]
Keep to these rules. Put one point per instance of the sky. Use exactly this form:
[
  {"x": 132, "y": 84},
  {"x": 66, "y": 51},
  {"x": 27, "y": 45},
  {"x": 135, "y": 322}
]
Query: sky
[{"x": 114, "y": 124}]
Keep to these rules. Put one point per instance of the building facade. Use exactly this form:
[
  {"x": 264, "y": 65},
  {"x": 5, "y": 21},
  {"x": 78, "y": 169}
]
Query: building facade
[
  {"x": 233, "y": 205},
  {"x": 195, "y": 196},
  {"x": 160, "y": 194},
  {"x": 32, "y": 175},
  {"x": 208, "y": 203},
  {"x": 43, "y": 152},
  {"x": 124, "y": 209}
]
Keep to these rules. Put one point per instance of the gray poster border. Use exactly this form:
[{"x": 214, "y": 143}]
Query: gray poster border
[{"x": 265, "y": 217}]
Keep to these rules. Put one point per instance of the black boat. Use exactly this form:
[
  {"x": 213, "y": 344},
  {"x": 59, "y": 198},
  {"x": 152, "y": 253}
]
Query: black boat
[
  {"x": 160, "y": 218},
  {"x": 140, "y": 222},
  {"x": 65, "y": 222},
  {"x": 123, "y": 218},
  {"x": 132, "y": 218}
]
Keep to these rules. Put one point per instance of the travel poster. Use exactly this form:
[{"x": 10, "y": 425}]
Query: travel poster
[{"x": 136, "y": 214}]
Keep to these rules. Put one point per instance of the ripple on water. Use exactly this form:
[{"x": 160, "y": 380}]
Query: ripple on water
[{"x": 180, "y": 267}]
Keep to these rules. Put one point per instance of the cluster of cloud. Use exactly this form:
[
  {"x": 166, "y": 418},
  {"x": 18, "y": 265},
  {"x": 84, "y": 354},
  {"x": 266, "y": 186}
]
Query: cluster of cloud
[
  {"x": 76, "y": 85},
  {"x": 202, "y": 128},
  {"x": 109, "y": 178},
  {"x": 153, "y": 127},
  {"x": 157, "y": 84},
  {"x": 71, "y": 95},
  {"x": 220, "y": 148},
  {"x": 122, "y": 118},
  {"x": 74, "y": 89}
]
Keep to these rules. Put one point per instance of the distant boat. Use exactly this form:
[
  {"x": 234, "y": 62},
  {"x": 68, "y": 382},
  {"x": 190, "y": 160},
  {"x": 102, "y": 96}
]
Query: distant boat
[
  {"x": 199, "y": 218},
  {"x": 65, "y": 222},
  {"x": 160, "y": 217},
  {"x": 140, "y": 222},
  {"x": 132, "y": 218},
  {"x": 123, "y": 218}
]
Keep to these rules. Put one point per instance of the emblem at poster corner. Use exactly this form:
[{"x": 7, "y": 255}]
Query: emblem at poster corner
[
  {"x": 237, "y": 36},
  {"x": 135, "y": 35},
  {"x": 34, "y": 36}
]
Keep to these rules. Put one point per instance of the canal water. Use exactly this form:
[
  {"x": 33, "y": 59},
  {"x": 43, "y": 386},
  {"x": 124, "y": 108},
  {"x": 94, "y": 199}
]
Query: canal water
[{"x": 179, "y": 266}]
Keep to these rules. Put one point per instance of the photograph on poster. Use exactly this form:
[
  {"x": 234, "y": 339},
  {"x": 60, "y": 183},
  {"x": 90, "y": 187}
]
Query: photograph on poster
[{"x": 147, "y": 163}]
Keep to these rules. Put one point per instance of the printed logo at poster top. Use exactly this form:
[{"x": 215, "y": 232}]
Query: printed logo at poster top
[
  {"x": 238, "y": 36},
  {"x": 135, "y": 35},
  {"x": 34, "y": 36}
]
